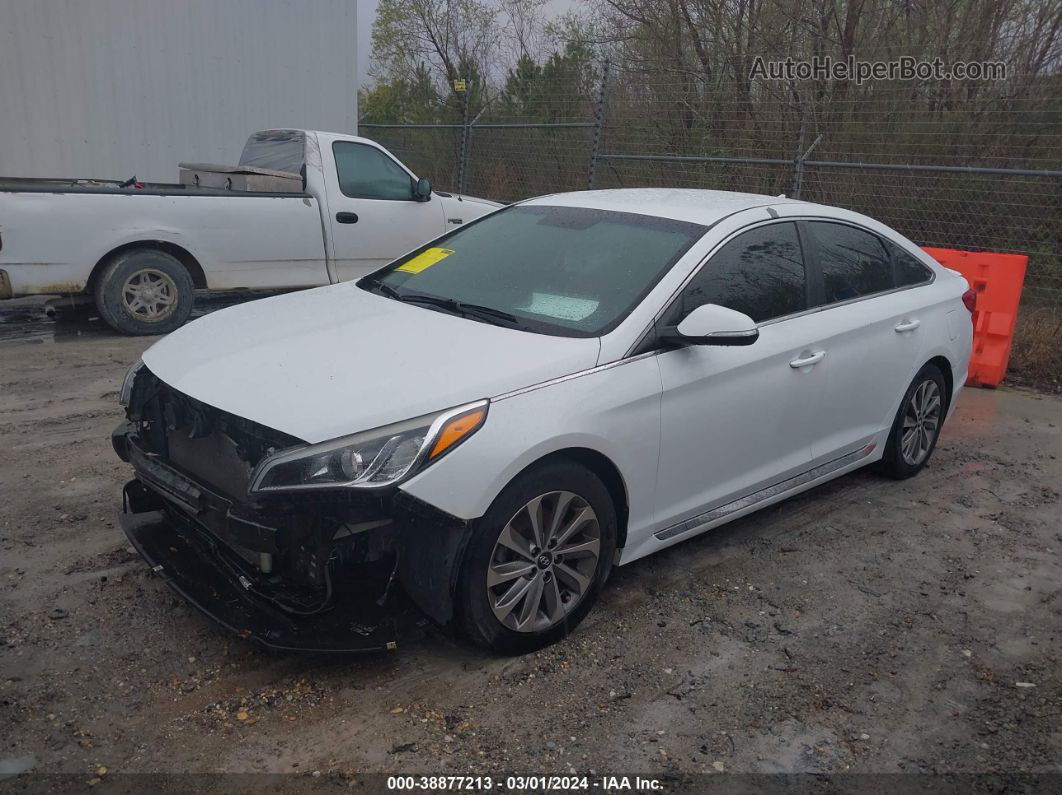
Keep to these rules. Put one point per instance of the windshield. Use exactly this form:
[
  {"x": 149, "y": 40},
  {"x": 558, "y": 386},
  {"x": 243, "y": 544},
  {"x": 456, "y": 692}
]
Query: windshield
[{"x": 570, "y": 271}]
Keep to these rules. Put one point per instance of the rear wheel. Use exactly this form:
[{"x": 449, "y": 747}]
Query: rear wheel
[
  {"x": 145, "y": 291},
  {"x": 917, "y": 425},
  {"x": 538, "y": 559}
]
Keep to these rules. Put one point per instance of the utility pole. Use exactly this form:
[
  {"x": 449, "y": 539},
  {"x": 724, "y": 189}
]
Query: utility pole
[
  {"x": 599, "y": 122},
  {"x": 461, "y": 87}
]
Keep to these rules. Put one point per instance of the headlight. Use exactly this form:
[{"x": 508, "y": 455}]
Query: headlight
[
  {"x": 371, "y": 459},
  {"x": 127, "y": 383}
]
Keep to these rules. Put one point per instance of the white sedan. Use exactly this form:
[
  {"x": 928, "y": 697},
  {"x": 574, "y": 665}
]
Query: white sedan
[{"x": 500, "y": 417}]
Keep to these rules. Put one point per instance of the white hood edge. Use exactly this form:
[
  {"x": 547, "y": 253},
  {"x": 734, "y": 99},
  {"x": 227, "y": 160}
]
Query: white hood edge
[{"x": 332, "y": 361}]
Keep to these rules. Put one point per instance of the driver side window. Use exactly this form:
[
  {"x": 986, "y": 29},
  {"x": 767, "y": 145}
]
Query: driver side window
[
  {"x": 760, "y": 273},
  {"x": 367, "y": 173}
]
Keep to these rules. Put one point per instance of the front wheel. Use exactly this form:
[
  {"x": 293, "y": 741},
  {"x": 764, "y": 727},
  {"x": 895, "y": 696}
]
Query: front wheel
[
  {"x": 537, "y": 559},
  {"x": 145, "y": 291},
  {"x": 916, "y": 427}
]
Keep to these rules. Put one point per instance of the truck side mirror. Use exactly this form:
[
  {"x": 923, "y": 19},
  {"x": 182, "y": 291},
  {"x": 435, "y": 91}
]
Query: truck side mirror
[{"x": 422, "y": 190}]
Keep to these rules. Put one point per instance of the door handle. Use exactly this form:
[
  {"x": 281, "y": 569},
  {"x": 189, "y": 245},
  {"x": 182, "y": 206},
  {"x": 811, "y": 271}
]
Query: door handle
[
  {"x": 807, "y": 361},
  {"x": 908, "y": 325},
  {"x": 347, "y": 218}
]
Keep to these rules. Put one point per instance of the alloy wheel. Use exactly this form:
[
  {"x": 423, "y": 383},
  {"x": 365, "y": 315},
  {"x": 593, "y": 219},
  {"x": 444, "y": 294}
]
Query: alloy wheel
[
  {"x": 544, "y": 562},
  {"x": 921, "y": 422},
  {"x": 150, "y": 294}
]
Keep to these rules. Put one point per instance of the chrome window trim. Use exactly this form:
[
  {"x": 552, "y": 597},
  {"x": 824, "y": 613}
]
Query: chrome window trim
[
  {"x": 885, "y": 245},
  {"x": 628, "y": 357},
  {"x": 697, "y": 269},
  {"x": 792, "y": 315},
  {"x": 847, "y": 302}
]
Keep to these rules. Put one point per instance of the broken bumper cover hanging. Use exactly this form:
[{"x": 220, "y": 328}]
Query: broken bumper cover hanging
[
  {"x": 160, "y": 507},
  {"x": 183, "y": 557},
  {"x": 204, "y": 544}
]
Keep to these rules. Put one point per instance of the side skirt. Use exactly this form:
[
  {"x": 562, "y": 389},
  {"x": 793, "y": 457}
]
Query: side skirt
[{"x": 776, "y": 492}]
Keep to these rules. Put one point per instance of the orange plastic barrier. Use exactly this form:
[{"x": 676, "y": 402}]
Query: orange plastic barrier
[{"x": 998, "y": 280}]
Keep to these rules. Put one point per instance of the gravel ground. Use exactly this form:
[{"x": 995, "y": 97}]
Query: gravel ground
[{"x": 868, "y": 626}]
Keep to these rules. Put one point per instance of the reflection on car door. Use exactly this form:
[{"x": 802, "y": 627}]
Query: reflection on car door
[
  {"x": 374, "y": 217},
  {"x": 871, "y": 333},
  {"x": 734, "y": 419}
]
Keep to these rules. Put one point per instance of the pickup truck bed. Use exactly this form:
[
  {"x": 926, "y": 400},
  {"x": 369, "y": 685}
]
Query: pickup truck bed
[
  {"x": 141, "y": 249},
  {"x": 200, "y": 227},
  {"x": 50, "y": 185}
]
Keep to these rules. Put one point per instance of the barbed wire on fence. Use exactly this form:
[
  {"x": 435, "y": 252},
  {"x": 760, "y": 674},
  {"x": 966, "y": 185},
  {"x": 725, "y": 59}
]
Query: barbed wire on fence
[{"x": 975, "y": 166}]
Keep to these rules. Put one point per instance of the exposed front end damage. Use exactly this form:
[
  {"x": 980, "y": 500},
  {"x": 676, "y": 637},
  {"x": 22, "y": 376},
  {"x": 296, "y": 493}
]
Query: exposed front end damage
[{"x": 310, "y": 571}]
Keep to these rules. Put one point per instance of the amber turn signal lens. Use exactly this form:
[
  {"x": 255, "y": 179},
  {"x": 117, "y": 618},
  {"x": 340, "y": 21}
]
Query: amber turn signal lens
[{"x": 457, "y": 429}]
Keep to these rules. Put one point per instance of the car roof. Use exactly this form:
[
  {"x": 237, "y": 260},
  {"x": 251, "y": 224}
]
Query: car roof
[{"x": 681, "y": 204}]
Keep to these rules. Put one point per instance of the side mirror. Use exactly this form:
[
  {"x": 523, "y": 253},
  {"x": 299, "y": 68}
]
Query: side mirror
[
  {"x": 711, "y": 324},
  {"x": 422, "y": 190}
]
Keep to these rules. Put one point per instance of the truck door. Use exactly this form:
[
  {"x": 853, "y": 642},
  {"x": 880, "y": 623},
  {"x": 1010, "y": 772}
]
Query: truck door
[{"x": 374, "y": 214}]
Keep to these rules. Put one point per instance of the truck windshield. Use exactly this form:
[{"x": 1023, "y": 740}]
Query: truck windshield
[{"x": 569, "y": 271}]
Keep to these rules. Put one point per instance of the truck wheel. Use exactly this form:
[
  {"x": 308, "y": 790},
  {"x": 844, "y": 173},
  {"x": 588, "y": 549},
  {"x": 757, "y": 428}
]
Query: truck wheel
[{"x": 145, "y": 291}]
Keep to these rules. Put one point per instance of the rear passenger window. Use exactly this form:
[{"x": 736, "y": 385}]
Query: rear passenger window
[
  {"x": 854, "y": 263},
  {"x": 760, "y": 273},
  {"x": 908, "y": 270}
]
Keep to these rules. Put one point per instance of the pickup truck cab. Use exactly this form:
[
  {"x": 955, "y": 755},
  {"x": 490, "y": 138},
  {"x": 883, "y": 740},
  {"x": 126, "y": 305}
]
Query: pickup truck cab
[{"x": 140, "y": 250}]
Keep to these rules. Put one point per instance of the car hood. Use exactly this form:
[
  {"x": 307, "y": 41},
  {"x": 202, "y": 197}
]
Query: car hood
[{"x": 337, "y": 360}]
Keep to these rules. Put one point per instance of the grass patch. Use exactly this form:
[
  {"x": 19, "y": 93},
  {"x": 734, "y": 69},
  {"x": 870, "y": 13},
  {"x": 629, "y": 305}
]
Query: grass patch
[{"x": 1036, "y": 356}]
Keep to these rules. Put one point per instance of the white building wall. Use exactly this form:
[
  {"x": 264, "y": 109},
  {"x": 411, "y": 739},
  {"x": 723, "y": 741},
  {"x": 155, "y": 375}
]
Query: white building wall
[{"x": 111, "y": 88}]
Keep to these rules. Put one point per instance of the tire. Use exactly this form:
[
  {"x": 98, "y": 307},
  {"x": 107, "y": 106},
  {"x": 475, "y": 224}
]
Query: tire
[
  {"x": 551, "y": 587},
  {"x": 144, "y": 291},
  {"x": 906, "y": 456}
]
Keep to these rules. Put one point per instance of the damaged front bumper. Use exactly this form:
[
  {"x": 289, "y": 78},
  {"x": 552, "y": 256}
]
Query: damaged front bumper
[
  {"x": 269, "y": 573},
  {"x": 190, "y": 564}
]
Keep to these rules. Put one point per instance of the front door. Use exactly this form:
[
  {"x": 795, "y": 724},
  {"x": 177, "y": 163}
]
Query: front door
[
  {"x": 735, "y": 419},
  {"x": 373, "y": 213}
]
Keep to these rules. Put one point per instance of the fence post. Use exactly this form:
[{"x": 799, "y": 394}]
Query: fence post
[
  {"x": 802, "y": 154},
  {"x": 462, "y": 165},
  {"x": 798, "y": 162},
  {"x": 599, "y": 121}
]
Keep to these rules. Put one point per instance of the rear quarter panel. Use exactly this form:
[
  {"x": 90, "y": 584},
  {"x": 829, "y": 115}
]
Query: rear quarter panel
[
  {"x": 949, "y": 332},
  {"x": 959, "y": 324}
]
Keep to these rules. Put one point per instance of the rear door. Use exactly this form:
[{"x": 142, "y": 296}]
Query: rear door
[
  {"x": 871, "y": 329},
  {"x": 735, "y": 419},
  {"x": 372, "y": 210}
]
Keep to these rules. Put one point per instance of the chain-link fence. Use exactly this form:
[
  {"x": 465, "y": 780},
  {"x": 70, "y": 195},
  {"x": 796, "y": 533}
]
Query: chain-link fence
[{"x": 959, "y": 165}]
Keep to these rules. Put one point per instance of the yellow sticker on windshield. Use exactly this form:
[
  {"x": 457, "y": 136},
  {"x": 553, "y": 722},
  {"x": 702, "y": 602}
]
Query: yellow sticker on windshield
[{"x": 424, "y": 260}]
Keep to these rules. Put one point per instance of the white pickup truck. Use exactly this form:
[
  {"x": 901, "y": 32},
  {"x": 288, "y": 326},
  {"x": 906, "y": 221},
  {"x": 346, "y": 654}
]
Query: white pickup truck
[{"x": 140, "y": 250}]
